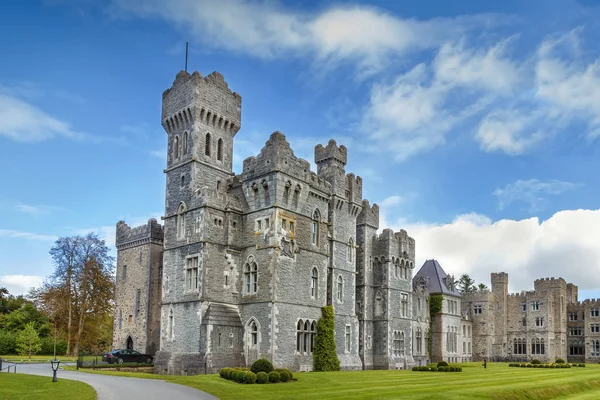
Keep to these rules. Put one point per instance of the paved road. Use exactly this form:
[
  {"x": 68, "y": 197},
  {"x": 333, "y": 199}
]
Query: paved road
[{"x": 111, "y": 387}]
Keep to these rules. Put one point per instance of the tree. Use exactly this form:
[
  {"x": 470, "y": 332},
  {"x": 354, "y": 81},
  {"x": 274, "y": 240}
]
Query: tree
[
  {"x": 466, "y": 284},
  {"x": 79, "y": 293},
  {"x": 482, "y": 286},
  {"x": 325, "y": 356},
  {"x": 28, "y": 341}
]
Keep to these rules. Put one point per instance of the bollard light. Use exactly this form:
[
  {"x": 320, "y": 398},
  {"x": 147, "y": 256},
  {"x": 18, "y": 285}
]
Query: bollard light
[{"x": 55, "y": 363}]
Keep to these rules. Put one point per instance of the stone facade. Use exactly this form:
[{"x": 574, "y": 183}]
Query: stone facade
[
  {"x": 251, "y": 258},
  {"x": 138, "y": 289}
]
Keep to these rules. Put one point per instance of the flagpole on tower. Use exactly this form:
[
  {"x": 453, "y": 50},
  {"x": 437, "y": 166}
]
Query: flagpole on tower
[{"x": 186, "y": 55}]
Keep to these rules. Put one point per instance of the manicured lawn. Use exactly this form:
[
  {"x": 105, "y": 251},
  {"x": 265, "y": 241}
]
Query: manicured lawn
[
  {"x": 498, "y": 381},
  {"x": 31, "y": 387}
]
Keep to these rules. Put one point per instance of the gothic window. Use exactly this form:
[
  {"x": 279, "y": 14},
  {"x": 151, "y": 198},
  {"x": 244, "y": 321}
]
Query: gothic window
[
  {"x": 537, "y": 346},
  {"x": 397, "y": 272},
  {"x": 404, "y": 305},
  {"x": 314, "y": 283},
  {"x": 316, "y": 218},
  {"x": 176, "y": 148},
  {"x": 207, "y": 145},
  {"x": 299, "y": 336},
  {"x": 539, "y": 321},
  {"x": 396, "y": 343},
  {"x": 401, "y": 349},
  {"x": 306, "y": 341},
  {"x": 340, "y": 288},
  {"x": 535, "y": 306},
  {"x": 250, "y": 276},
  {"x": 220, "y": 149},
  {"x": 252, "y": 333},
  {"x": 348, "y": 338},
  {"x": 402, "y": 268},
  {"x": 185, "y": 143},
  {"x": 519, "y": 346},
  {"x": 313, "y": 334},
  {"x": 181, "y": 221},
  {"x": 191, "y": 274},
  {"x": 378, "y": 304},
  {"x": 419, "y": 340},
  {"x": 305, "y": 336},
  {"x": 170, "y": 325},
  {"x": 350, "y": 249},
  {"x": 124, "y": 273},
  {"x": 469, "y": 331}
]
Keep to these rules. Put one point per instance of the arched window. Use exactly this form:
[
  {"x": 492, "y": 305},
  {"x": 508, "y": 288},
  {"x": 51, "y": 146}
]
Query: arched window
[
  {"x": 315, "y": 227},
  {"x": 299, "y": 336},
  {"x": 378, "y": 304},
  {"x": 170, "y": 325},
  {"x": 401, "y": 349},
  {"x": 313, "y": 334},
  {"x": 350, "y": 250},
  {"x": 176, "y": 148},
  {"x": 207, "y": 145},
  {"x": 252, "y": 333},
  {"x": 181, "y": 221},
  {"x": 306, "y": 344},
  {"x": 250, "y": 276},
  {"x": 340, "y": 288},
  {"x": 185, "y": 143},
  {"x": 314, "y": 283},
  {"x": 220, "y": 149}
]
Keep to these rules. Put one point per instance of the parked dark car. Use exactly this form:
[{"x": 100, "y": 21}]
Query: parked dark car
[{"x": 126, "y": 356}]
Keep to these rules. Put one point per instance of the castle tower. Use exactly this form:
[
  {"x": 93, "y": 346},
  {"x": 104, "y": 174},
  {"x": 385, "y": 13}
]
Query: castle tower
[
  {"x": 500, "y": 291},
  {"x": 345, "y": 205},
  {"x": 138, "y": 287}
]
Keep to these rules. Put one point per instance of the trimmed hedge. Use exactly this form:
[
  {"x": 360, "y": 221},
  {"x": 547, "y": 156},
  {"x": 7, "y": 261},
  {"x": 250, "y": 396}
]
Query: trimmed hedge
[
  {"x": 560, "y": 361},
  {"x": 546, "y": 365},
  {"x": 243, "y": 375},
  {"x": 450, "y": 368},
  {"x": 442, "y": 364},
  {"x": 535, "y": 361},
  {"x": 325, "y": 355},
  {"x": 262, "y": 365}
]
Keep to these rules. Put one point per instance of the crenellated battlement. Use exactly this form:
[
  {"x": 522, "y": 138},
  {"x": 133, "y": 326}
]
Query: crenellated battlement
[
  {"x": 331, "y": 153},
  {"x": 369, "y": 215},
  {"x": 549, "y": 283},
  {"x": 193, "y": 98},
  {"x": 126, "y": 236}
]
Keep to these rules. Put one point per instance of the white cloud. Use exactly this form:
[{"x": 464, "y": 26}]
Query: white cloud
[
  {"x": 510, "y": 131},
  {"x": 36, "y": 209},
  {"x": 532, "y": 192},
  {"x": 265, "y": 29},
  {"x": 20, "y": 284},
  {"x": 24, "y": 122},
  {"x": 526, "y": 249},
  {"x": 162, "y": 154},
  {"x": 391, "y": 201},
  {"x": 12, "y": 234}
]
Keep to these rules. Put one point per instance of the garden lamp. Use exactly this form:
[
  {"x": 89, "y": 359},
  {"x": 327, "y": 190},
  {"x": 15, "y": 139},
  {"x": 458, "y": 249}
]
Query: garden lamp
[{"x": 55, "y": 363}]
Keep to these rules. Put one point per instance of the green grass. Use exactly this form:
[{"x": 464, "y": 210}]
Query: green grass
[
  {"x": 31, "y": 387},
  {"x": 41, "y": 358},
  {"x": 498, "y": 382}
]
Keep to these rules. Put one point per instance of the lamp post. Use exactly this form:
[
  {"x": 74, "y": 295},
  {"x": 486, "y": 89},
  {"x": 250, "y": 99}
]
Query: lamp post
[{"x": 55, "y": 363}]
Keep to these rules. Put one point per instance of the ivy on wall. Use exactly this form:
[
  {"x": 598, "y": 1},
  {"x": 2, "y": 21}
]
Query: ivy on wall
[
  {"x": 435, "y": 306},
  {"x": 325, "y": 355}
]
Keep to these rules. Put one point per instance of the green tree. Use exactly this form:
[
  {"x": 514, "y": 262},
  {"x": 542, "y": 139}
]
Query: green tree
[
  {"x": 482, "y": 286},
  {"x": 325, "y": 355},
  {"x": 466, "y": 284},
  {"x": 28, "y": 341}
]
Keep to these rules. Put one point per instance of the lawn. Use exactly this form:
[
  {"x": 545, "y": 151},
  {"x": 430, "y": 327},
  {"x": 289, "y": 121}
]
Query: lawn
[
  {"x": 498, "y": 382},
  {"x": 31, "y": 387}
]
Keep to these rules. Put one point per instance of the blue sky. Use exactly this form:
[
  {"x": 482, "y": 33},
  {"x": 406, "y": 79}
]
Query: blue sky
[{"x": 474, "y": 124}]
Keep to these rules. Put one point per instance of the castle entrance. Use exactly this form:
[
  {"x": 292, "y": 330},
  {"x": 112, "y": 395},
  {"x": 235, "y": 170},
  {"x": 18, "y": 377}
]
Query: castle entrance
[{"x": 129, "y": 343}]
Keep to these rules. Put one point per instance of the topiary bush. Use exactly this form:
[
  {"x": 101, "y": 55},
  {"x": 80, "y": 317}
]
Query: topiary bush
[
  {"x": 433, "y": 369},
  {"x": 325, "y": 356},
  {"x": 560, "y": 361},
  {"x": 224, "y": 373},
  {"x": 284, "y": 376},
  {"x": 250, "y": 377},
  {"x": 240, "y": 376},
  {"x": 262, "y": 365},
  {"x": 262, "y": 377},
  {"x": 442, "y": 364},
  {"x": 535, "y": 361},
  {"x": 274, "y": 377},
  {"x": 280, "y": 370}
]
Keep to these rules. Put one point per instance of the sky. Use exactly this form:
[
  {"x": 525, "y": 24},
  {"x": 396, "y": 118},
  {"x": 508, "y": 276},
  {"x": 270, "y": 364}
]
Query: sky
[{"x": 475, "y": 125}]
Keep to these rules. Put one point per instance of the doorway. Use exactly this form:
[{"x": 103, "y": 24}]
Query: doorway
[{"x": 129, "y": 343}]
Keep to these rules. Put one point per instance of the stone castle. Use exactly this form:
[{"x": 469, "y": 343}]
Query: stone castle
[{"x": 244, "y": 263}]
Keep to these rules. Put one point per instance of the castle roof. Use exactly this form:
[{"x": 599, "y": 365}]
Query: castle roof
[{"x": 439, "y": 281}]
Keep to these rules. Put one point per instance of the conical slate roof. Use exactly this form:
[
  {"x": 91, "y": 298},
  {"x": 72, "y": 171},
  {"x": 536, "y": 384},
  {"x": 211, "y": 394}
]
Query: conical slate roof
[{"x": 438, "y": 281}]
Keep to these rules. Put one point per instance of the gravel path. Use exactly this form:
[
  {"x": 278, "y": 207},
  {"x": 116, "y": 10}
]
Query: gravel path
[{"x": 111, "y": 387}]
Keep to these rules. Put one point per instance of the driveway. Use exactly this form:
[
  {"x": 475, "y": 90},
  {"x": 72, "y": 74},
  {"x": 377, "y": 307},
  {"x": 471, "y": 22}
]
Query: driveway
[{"x": 111, "y": 387}]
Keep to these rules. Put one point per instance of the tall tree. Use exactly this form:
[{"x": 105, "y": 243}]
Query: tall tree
[
  {"x": 466, "y": 284},
  {"x": 482, "y": 286},
  {"x": 81, "y": 289},
  {"x": 28, "y": 341}
]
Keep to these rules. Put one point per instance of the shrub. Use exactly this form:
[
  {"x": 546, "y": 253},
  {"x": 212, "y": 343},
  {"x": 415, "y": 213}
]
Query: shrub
[
  {"x": 284, "y": 376},
  {"x": 240, "y": 376},
  {"x": 223, "y": 372},
  {"x": 8, "y": 342},
  {"x": 441, "y": 368},
  {"x": 530, "y": 365},
  {"x": 560, "y": 361},
  {"x": 274, "y": 377},
  {"x": 442, "y": 364},
  {"x": 535, "y": 361},
  {"x": 433, "y": 369},
  {"x": 552, "y": 366},
  {"x": 325, "y": 356},
  {"x": 582, "y": 364},
  {"x": 250, "y": 377},
  {"x": 231, "y": 374},
  {"x": 261, "y": 365},
  {"x": 459, "y": 369},
  {"x": 262, "y": 377},
  {"x": 416, "y": 368},
  {"x": 280, "y": 370}
]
